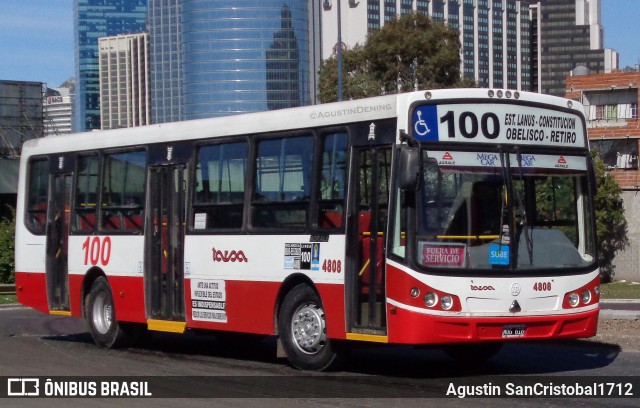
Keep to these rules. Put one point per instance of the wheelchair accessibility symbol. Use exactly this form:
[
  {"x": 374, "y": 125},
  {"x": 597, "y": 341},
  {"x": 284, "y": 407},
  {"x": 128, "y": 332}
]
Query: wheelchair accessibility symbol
[
  {"x": 421, "y": 127},
  {"x": 425, "y": 123}
]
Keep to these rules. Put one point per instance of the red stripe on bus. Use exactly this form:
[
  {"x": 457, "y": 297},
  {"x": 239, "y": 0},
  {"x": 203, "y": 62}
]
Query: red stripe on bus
[
  {"x": 250, "y": 305},
  {"x": 31, "y": 290},
  {"x": 406, "y": 327},
  {"x": 251, "y": 308}
]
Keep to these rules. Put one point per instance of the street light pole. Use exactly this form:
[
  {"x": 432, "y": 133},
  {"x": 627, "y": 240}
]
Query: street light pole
[{"x": 339, "y": 53}]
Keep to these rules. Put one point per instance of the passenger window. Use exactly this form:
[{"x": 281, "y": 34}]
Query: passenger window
[
  {"x": 86, "y": 200},
  {"x": 219, "y": 193},
  {"x": 37, "y": 196},
  {"x": 333, "y": 181},
  {"x": 283, "y": 185},
  {"x": 123, "y": 192}
]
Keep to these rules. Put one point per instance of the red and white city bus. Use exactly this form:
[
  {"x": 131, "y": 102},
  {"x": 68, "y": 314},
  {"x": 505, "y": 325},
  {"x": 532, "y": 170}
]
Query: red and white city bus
[{"x": 462, "y": 218}]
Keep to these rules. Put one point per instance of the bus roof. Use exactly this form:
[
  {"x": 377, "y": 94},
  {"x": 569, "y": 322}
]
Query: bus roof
[{"x": 337, "y": 113}]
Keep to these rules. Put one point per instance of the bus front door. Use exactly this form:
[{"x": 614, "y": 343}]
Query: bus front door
[
  {"x": 366, "y": 231},
  {"x": 58, "y": 242},
  {"x": 164, "y": 243}
]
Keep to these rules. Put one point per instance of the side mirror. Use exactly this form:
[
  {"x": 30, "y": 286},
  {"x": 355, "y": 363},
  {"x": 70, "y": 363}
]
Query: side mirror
[{"x": 409, "y": 168}]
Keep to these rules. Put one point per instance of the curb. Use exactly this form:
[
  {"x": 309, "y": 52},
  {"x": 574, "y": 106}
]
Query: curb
[{"x": 608, "y": 314}]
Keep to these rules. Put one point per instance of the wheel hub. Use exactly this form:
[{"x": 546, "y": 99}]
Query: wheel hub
[
  {"x": 309, "y": 329},
  {"x": 102, "y": 315}
]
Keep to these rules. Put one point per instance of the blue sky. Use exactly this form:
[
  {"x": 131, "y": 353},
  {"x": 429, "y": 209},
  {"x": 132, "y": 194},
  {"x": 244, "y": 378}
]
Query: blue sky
[
  {"x": 36, "y": 40},
  {"x": 36, "y": 37}
]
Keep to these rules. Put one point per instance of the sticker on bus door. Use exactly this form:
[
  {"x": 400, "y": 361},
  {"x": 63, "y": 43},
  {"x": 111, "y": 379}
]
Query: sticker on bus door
[{"x": 208, "y": 300}]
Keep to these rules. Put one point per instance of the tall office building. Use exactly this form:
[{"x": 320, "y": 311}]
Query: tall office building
[
  {"x": 232, "y": 57},
  {"x": 93, "y": 19},
  {"x": 166, "y": 60},
  {"x": 124, "y": 86},
  {"x": 284, "y": 78},
  {"x": 495, "y": 35},
  {"x": 567, "y": 34},
  {"x": 516, "y": 44},
  {"x": 58, "y": 111}
]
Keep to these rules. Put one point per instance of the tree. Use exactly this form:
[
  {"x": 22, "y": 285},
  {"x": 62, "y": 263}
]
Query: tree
[
  {"x": 359, "y": 82},
  {"x": 7, "y": 233},
  {"x": 611, "y": 223},
  {"x": 409, "y": 53}
]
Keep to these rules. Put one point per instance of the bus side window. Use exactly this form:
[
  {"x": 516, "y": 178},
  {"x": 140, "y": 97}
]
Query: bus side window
[
  {"x": 219, "y": 192},
  {"x": 282, "y": 191},
  {"x": 123, "y": 192},
  {"x": 85, "y": 200},
  {"x": 37, "y": 196},
  {"x": 333, "y": 181}
]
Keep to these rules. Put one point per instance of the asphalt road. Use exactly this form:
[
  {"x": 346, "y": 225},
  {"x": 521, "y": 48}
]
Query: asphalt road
[{"x": 238, "y": 373}]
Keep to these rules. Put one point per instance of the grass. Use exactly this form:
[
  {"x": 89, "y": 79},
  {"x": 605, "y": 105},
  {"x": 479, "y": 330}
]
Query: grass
[
  {"x": 8, "y": 299},
  {"x": 620, "y": 290}
]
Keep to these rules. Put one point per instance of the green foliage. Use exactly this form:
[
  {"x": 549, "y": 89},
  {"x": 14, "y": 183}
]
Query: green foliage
[
  {"x": 407, "y": 54},
  {"x": 611, "y": 223},
  {"x": 358, "y": 81},
  {"x": 7, "y": 234}
]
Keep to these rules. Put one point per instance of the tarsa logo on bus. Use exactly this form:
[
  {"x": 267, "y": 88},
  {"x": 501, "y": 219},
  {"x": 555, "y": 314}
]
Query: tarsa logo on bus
[
  {"x": 475, "y": 287},
  {"x": 228, "y": 256}
]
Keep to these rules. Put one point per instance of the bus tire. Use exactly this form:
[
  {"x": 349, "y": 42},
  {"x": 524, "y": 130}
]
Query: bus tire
[
  {"x": 303, "y": 331},
  {"x": 100, "y": 316}
]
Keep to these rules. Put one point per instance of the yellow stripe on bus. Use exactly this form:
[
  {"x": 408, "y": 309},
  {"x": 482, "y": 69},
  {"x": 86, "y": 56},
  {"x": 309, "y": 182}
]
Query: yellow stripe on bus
[
  {"x": 467, "y": 236},
  {"x": 166, "y": 326},
  {"x": 368, "y": 337},
  {"x": 60, "y": 312}
]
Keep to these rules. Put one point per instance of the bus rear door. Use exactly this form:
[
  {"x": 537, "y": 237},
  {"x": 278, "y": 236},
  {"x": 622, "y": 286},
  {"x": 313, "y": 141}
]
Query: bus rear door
[
  {"x": 164, "y": 245},
  {"x": 57, "y": 271}
]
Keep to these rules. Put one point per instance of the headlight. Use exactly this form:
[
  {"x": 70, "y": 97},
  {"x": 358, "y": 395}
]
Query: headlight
[
  {"x": 430, "y": 299},
  {"x": 574, "y": 299},
  {"x": 586, "y": 297},
  {"x": 447, "y": 302}
]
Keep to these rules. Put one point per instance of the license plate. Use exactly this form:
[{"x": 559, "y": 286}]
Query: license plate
[{"x": 513, "y": 330}]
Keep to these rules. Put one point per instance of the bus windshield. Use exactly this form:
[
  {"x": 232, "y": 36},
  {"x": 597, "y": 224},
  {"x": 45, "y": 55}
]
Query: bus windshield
[{"x": 504, "y": 211}]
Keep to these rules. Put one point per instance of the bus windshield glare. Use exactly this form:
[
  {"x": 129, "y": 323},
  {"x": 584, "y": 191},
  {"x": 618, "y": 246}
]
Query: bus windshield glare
[{"x": 504, "y": 211}]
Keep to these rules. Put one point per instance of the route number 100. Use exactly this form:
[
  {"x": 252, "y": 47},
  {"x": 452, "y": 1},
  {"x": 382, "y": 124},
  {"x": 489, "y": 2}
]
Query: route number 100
[
  {"x": 468, "y": 124},
  {"x": 97, "y": 250}
]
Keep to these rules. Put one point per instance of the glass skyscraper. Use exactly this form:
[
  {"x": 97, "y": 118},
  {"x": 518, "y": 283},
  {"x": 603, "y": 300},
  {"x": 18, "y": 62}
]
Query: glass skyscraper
[
  {"x": 244, "y": 56},
  {"x": 93, "y": 19},
  {"x": 216, "y": 58},
  {"x": 166, "y": 60}
]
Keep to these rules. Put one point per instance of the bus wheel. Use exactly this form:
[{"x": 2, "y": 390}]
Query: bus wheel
[
  {"x": 100, "y": 316},
  {"x": 303, "y": 331},
  {"x": 473, "y": 353}
]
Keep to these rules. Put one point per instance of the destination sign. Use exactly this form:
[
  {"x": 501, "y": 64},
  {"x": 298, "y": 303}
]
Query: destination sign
[{"x": 498, "y": 124}]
